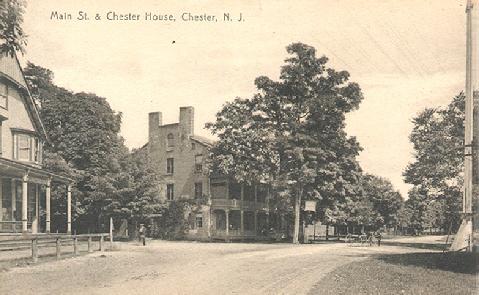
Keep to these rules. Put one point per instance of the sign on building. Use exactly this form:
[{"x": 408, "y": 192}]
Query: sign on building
[{"x": 310, "y": 206}]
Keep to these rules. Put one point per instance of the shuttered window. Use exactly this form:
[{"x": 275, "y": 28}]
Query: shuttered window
[
  {"x": 170, "y": 192},
  {"x": 3, "y": 96}
]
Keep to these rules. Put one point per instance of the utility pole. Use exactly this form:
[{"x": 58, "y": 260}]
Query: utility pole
[{"x": 464, "y": 237}]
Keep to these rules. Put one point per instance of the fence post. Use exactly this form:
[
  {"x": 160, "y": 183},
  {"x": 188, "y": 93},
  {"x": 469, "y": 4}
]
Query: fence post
[
  {"x": 34, "y": 250},
  {"x": 89, "y": 244},
  {"x": 76, "y": 251},
  {"x": 101, "y": 243},
  {"x": 58, "y": 246}
]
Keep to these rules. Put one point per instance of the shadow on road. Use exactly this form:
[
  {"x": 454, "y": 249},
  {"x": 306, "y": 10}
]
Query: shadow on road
[
  {"x": 430, "y": 246},
  {"x": 458, "y": 262}
]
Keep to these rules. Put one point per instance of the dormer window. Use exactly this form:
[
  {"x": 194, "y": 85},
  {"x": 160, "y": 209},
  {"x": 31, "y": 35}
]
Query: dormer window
[
  {"x": 170, "y": 140},
  {"x": 3, "y": 96},
  {"x": 26, "y": 147}
]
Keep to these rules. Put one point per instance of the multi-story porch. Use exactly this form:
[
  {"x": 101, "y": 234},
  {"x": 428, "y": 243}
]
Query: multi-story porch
[
  {"x": 238, "y": 211},
  {"x": 25, "y": 191}
]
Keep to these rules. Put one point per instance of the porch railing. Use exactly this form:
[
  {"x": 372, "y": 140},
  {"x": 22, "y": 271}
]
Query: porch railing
[
  {"x": 238, "y": 204},
  {"x": 232, "y": 233},
  {"x": 12, "y": 226}
]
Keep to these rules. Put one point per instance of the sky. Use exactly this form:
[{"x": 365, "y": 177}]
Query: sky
[{"x": 405, "y": 54}]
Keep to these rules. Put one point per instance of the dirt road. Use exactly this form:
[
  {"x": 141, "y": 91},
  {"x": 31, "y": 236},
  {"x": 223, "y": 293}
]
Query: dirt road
[{"x": 190, "y": 268}]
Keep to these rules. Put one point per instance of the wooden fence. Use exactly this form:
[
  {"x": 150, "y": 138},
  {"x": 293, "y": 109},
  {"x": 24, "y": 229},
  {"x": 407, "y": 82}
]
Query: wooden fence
[{"x": 17, "y": 242}]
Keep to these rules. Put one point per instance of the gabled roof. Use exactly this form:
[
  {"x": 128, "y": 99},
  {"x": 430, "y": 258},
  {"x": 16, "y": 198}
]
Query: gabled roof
[
  {"x": 200, "y": 139},
  {"x": 203, "y": 140},
  {"x": 11, "y": 70}
]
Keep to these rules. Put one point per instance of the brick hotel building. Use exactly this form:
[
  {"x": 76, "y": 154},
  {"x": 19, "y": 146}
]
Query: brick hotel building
[{"x": 229, "y": 210}]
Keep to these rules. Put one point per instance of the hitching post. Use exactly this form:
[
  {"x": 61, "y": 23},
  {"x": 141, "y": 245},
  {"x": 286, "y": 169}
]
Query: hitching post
[
  {"x": 34, "y": 250},
  {"x": 76, "y": 251},
  {"x": 89, "y": 244},
  {"x": 58, "y": 247},
  {"x": 101, "y": 242}
]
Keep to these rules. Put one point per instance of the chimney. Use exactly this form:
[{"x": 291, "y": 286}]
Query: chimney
[
  {"x": 187, "y": 117},
  {"x": 154, "y": 122}
]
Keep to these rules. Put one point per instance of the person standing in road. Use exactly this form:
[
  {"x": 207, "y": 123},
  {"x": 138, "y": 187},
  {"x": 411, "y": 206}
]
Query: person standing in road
[
  {"x": 378, "y": 237},
  {"x": 142, "y": 232}
]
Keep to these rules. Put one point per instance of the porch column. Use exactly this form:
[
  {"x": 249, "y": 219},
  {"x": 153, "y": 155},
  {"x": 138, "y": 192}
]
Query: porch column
[
  {"x": 37, "y": 207},
  {"x": 47, "y": 205},
  {"x": 227, "y": 213},
  {"x": 13, "y": 189},
  {"x": 267, "y": 222},
  {"x": 255, "y": 222},
  {"x": 69, "y": 209},
  {"x": 242, "y": 192},
  {"x": 24, "y": 203},
  {"x": 242, "y": 222}
]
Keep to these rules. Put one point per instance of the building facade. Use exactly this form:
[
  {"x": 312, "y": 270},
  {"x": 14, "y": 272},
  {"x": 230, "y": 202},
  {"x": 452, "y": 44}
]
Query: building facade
[
  {"x": 24, "y": 184},
  {"x": 224, "y": 210}
]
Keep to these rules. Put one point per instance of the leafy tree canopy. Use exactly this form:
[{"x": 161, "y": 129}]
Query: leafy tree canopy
[
  {"x": 84, "y": 131},
  {"x": 291, "y": 133},
  {"x": 11, "y": 33},
  {"x": 437, "y": 170}
]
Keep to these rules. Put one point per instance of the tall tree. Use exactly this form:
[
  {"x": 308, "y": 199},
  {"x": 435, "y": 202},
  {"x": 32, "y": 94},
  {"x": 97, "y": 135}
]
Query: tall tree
[
  {"x": 11, "y": 31},
  {"x": 291, "y": 133},
  {"x": 84, "y": 131},
  {"x": 385, "y": 201},
  {"x": 146, "y": 177},
  {"x": 436, "y": 173}
]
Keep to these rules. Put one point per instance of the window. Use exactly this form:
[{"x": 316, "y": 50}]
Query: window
[
  {"x": 234, "y": 190},
  {"x": 248, "y": 192},
  {"x": 193, "y": 146},
  {"x": 170, "y": 165},
  {"x": 198, "y": 163},
  {"x": 3, "y": 96},
  {"x": 170, "y": 140},
  {"x": 198, "y": 190},
  {"x": 199, "y": 221},
  {"x": 23, "y": 147},
  {"x": 26, "y": 148},
  {"x": 218, "y": 190},
  {"x": 248, "y": 220},
  {"x": 170, "y": 191},
  {"x": 261, "y": 193}
]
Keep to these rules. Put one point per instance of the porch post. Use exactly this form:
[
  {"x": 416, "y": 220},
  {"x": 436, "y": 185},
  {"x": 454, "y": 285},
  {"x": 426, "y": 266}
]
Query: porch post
[
  {"x": 37, "y": 207},
  {"x": 267, "y": 222},
  {"x": 242, "y": 222},
  {"x": 14, "y": 203},
  {"x": 227, "y": 213},
  {"x": 24, "y": 203},
  {"x": 255, "y": 222},
  {"x": 47, "y": 205},
  {"x": 69, "y": 209}
]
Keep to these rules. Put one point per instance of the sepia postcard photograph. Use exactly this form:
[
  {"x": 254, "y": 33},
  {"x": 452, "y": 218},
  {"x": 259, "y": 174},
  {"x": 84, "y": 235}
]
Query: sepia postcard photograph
[{"x": 239, "y": 147}]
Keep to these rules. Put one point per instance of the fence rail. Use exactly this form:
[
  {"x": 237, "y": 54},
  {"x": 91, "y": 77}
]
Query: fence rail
[{"x": 12, "y": 242}]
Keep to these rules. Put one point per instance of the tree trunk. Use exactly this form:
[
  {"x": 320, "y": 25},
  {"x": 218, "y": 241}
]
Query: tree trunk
[{"x": 297, "y": 211}]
